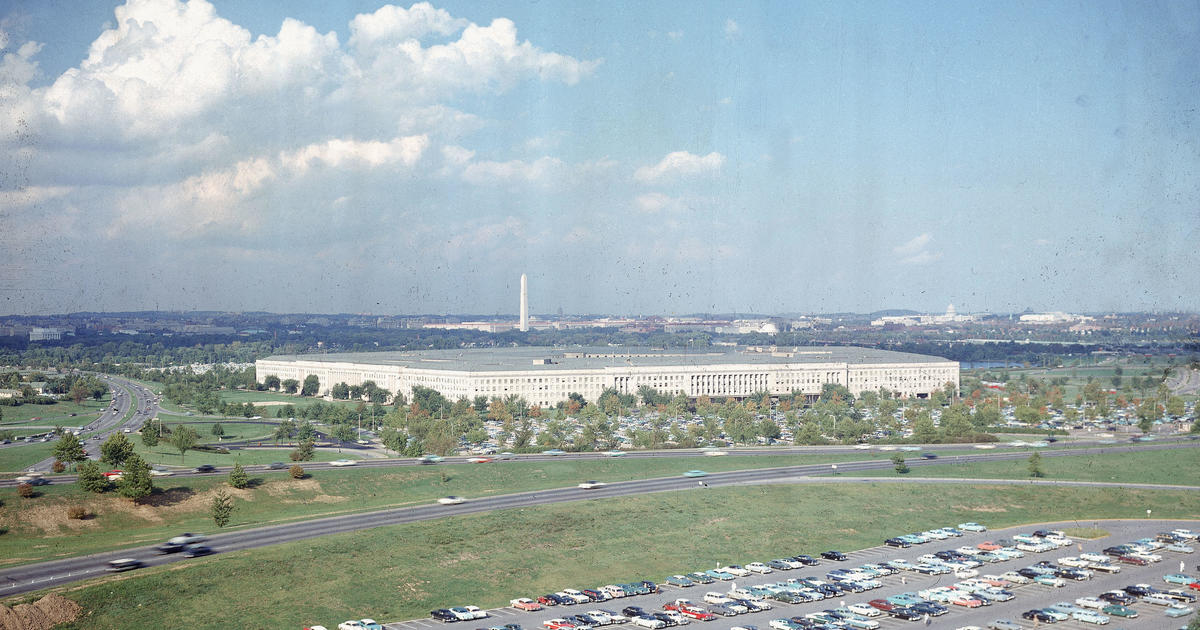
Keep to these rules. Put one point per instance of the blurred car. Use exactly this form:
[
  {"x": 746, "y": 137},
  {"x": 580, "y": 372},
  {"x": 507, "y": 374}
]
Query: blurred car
[
  {"x": 343, "y": 462},
  {"x": 451, "y": 500},
  {"x": 195, "y": 551},
  {"x": 695, "y": 473},
  {"x": 204, "y": 468},
  {"x": 276, "y": 466},
  {"x": 591, "y": 484}
]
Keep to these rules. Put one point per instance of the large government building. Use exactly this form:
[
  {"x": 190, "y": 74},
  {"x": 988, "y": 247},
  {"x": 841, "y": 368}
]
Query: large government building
[{"x": 546, "y": 376}]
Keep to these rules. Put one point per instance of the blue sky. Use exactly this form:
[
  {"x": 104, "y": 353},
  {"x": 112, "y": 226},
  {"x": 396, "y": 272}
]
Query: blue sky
[{"x": 631, "y": 158}]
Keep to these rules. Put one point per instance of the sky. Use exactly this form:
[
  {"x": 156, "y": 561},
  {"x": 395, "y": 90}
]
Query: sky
[{"x": 632, "y": 158}]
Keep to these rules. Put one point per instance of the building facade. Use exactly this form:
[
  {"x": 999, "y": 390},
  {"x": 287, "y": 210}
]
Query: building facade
[{"x": 547, "y": 376}]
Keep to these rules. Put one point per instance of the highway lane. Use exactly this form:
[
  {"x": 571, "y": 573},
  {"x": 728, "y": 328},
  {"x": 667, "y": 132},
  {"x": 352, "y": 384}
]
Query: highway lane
[{"x": 26, "y": 578}]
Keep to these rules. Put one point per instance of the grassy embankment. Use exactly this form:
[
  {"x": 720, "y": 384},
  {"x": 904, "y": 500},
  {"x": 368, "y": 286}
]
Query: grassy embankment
[
  {"x": 39, "y": 529},
  {"x": 1174, "y": 466},
  {"x": 57, "y": 414},
  {"x": 402, "y": 572}
]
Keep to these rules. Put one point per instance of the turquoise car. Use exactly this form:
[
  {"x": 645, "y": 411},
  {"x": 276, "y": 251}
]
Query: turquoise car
[
  {"x": 718, "y": 574},
  {"x": 1118, "y": 610},
  {"x": 1178, "y": 578},
  {"x": 695, "y": 473},
  {"x": 904, "y": 599}
]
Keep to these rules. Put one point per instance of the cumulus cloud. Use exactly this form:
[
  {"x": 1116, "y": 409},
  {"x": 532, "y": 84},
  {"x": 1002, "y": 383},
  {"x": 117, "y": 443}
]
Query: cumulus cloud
[
  {"x": 680, "y": 164},
  {"x": 916, "y": 250}
]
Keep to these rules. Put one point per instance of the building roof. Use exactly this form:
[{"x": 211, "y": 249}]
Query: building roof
[{"x": 552, "y": 359}]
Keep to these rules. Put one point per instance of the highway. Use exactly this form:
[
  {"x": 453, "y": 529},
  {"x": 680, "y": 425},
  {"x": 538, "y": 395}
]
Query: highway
[{"x": 26, "y": 578}]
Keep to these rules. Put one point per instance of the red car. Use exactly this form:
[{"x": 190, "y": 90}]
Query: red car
[
  {"x": 1141, "y": 562},
  {"x": 113, "y": 475},
  {"x": 987, "y": 546},
  {"x": 881, "y": 604},
  {"x": 526, "y": 604},
  {"x": 479, "y": 460},
  {"x": 1195, "y": 586},
  {"x": 697, "y": 613},
  {"x": 558, "y": 624}
]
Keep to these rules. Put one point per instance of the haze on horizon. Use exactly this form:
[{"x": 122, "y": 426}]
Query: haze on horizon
[{"x": 676, "y": 157}]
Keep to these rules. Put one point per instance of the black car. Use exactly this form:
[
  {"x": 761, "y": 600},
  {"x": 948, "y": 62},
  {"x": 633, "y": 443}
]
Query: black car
[
  {"x": 195, "y": 551},
  {"x": 806, "y": 560},
  {"x": 930, "y": 608},
  {"x": 1117, "y": 551},
  {"x": 665, "y": 618},
  {"x": 928, "y": 455},
  {"x": 1179, "y": 595},
  {"x": 905, "y": 612},
  {"x": 833, "y": 555},
  {"x": 170, "y": 547},
  {"x": 1037, "y": 615},
  {"x": 443, "y": 614},
  {"x": 1138, "y": 590},
  {"x": 1117, "y": 597},
  {"x": 649, "y": 586},
  {"x": 549, "y": 599},
  {"x": 897, "y": 542},
  {"x": 205, "y": 468},
  {"x": 633, "y": 611},
  {"x": 1028, "y": 572}
]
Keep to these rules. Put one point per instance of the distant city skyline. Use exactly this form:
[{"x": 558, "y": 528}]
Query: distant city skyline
[{"x": 630, "y": 158}]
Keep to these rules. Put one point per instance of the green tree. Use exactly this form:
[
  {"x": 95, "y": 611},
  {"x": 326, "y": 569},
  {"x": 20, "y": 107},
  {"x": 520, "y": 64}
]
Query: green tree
[
  {"x": 69, "y": 449},
  {"x": 221, "y": 508},
  {"x": 1175, "y": 406},
  {"x": 91, "y": 479},
  {"x": 898, "y": 462},
  {"x": 184, "y": 438},
  {"x": 136, "y": 482},
  {"x": 343, "y": 433},
  {"x": 218, "y": 430},
  {"x": 312, "y": 385},
  {"x": 924, "y": 430},
  {"x": 290, "y": 385},
  {"x": 116, "y": 449},
  {"x": 149, "y": 435},
  {"x": 238, "y": 477},
  {"x": 271, "y": 382},
  {"x": 304, "y": 452},
  {"x": 1035, "y": 465}
]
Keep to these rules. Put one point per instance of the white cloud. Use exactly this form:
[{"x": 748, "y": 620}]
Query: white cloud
[
  {"x": 658, "y": 202},
  {"x": 916, "y": 250},
  {"x": 732, "y": 29},
  {"x": 392, "y": 24},
  {"x": 539, "y": 171},
  {"x": 680, "y": 164},
  {"x": 336, "y": 153},
  {"x": 675, "y": 35}
]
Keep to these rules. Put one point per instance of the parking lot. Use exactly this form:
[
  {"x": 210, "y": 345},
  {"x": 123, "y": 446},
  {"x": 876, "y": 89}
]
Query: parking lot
[{"x": 1150, "y": 617}]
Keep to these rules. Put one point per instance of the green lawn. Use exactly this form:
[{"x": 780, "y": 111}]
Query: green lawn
[
  {"x": 58, "y": 413},
  {"x": 232, "y": 430},
  {"x": 1175, "y": 466},
  {"x": 18, "y": 458},
  {"x": 402, "y": 572},
  {"x": 168, "y": 455},
  {"x": 328, "y": 492}
]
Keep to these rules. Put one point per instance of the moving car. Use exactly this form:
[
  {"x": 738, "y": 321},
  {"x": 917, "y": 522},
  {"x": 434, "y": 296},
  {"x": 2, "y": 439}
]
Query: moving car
[
  {"x": 695, "y": 473},
  {"x": 591, "y": 485},
  {"x": 205, "y": 468},
  {"x": 195, "y": 551},
  {"x": 123, "y": 564},
  {"x": 187, "y": 538},
  {"x": 451, "y": 500},
  {"x": 343, "y": 462}
]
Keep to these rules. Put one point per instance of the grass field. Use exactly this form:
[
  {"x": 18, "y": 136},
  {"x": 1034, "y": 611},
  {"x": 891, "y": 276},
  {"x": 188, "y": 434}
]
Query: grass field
[
  {"x": 1176, "y": 466},
  {"x": 167, "y": 455},
  {"x": 402, "y": 572},
  {"x": 184, "y": 504},
  {"x": 58, "y": 413},
  {"x": 17, "y": 458},
  {"x": 232, "y": 430}
]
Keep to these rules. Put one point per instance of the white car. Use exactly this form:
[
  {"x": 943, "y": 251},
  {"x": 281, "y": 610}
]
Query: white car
[
  {"x": 864, "y": 610},
  {"x": 576, "y": 595},
  {"x": 1092, "y": 556},
  {"x": 451, "y": 500},
  {"x": 187, "y": 539},
  {"x": 649, "y": 622},
  {"x": 1185, "y": 533},
  {"x": 1014, "y": 577},
  {"x": 1071, "y": 561},
  {"x": 735, "y": 570},
  {"x": 472, "y": 612},
  {"x": 160, "y": 472},
  {"x": 591, "y": 485},
  {"x": 758, "y": 567},
  {"x": 602, "y": 618},
  {"x": 713, "y": 597},
  {"x": 971, "y": 527},
  {"x": 343, "y": 462},
  {"x": 353, "y": 624},
  {"x": 1091, "y": 602},
  {"x": 715, "y": 453}
]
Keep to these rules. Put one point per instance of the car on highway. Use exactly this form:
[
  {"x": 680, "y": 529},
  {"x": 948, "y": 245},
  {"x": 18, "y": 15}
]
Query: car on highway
[
  {"x": 187, "y": 538},
  {"x": 205, "y": 468},
  {"x": 195, "y": 551},
  {"x": 695, "y": 473},
  {"x": 114, "y": 475},
  {"x": 123, "y": 564},
  {"x": 160, "y": 472},
  {"x": 343, "y": 462},
  {"x": 554, "y": 452},
  {"x": 591, "y": 484},
  {"x": 169, "y": 547},
  {"x": 430, "y": 459},
  {"x": 451, "y": 500},
  {"x": 36, "y": 479},
  {"x": 276, "y": 466},
  {"x": 479, "y": 460}
]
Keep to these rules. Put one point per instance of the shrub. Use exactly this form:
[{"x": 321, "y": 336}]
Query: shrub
[
  {"x": 238, "y": 478},
  {"x": 296, "y": 471},
  {"x": 58, "y": 466},
  {"x": 25, "y": 490},
  {"x": 77, "y": 512}
]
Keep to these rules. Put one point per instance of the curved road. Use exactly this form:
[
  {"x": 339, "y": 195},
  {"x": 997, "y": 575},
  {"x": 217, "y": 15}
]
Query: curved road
[{"x": 41, "y": 575}]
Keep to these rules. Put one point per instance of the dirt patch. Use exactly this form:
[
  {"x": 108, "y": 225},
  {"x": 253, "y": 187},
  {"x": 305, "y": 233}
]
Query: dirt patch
[
  {"x": 272, "y": 403},
  {"x": 51, "y": 519},
  {"x": 290, "y": 486},
  {"x": 43, "y": 614},
  {"x": 985, "y": 508}
]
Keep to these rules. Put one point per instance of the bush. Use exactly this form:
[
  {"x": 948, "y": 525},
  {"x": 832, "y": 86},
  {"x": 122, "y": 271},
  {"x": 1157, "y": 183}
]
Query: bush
[
  {"x": 58, "y": 466},
  {"x": 238, "y": 478},
  {"x": 25, "y": 491},
  {"x": 78, "y": 512},
  {"x": 296, "y": 471}
]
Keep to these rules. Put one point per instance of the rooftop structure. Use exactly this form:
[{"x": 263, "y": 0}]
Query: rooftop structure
[{"x": 546, "y": 376}]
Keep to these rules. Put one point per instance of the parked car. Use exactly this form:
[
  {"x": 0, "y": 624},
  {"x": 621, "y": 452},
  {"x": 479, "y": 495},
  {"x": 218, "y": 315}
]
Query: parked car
[
  {"x": 526, "y": 604},
  {"x": 834, "y": 555}
]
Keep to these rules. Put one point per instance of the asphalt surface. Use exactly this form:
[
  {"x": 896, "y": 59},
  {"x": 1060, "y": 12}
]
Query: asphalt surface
[{"x": 1150, "y": 617}]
